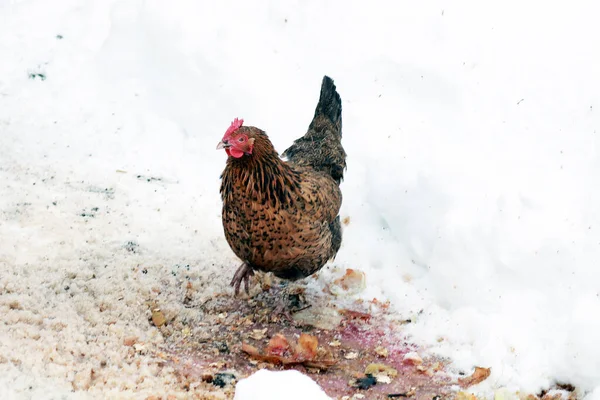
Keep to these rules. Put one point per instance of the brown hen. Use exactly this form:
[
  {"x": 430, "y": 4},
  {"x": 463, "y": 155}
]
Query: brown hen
[{"x": 282, "y": 216}]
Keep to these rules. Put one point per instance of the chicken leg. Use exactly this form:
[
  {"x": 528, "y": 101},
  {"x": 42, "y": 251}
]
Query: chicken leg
[
  {"x": 282, "y": 310},
  {"x": 243, "y": 273}
]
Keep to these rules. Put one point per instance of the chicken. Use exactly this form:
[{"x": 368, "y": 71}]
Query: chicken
[{"x": 283, "y": 216}]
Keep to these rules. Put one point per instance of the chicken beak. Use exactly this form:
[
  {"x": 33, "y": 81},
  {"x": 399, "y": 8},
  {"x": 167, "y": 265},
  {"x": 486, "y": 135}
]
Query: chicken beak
[{"x": 222, "y": 145}]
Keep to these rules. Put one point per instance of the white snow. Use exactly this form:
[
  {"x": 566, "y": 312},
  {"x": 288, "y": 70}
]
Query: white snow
[
  {"x": 472, "y": 182},
  {"x": 276, "y": 385}
]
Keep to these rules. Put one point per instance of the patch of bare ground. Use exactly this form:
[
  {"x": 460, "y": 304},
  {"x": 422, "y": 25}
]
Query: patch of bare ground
[{"x": 351, "y": 352}]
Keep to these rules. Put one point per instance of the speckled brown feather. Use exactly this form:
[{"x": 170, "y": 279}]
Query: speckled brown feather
[{"x": 282, "y": 217}]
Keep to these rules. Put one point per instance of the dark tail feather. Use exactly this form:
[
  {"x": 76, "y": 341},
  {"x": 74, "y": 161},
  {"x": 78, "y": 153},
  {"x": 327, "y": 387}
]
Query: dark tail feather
[
  {"x": 330, "y": 103},
  {"x": 321, "y": 147}
]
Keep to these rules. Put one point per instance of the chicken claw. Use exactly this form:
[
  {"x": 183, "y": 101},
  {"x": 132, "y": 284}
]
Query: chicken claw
[
  {"x": 243, "y": 273},
  {"x": 283, "y": 312}
]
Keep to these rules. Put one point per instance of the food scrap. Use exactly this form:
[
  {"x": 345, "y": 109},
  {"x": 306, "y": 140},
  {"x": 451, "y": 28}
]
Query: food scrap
[
  {"x": 465, "y": 396},
  {"x": 279, "y": 351},
  {"x": 258, "y": 334},
  {"x": 223, "y": 379},
  {"x": 278, "y": 345},
  {"x": 381, "y": 369},
  {"x": 381, "y": 351},
  {"x": 479, "y": 375},
  {"x": 352, "y": 282},
  {"x": 381, "y": 372},
  {"x": 307, "y": 347},
  {"x": 364, "y": 383},
  {"x": 413, "y": 358},
  {"x": 351, "y": 314},
  {"x": 158, "y": 318}
]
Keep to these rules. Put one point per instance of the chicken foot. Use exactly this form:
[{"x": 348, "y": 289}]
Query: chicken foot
[
  {"x": 243, "y": 274},
  {"x": 282, "y": 311},
  {"x": 283, "y": 308}
]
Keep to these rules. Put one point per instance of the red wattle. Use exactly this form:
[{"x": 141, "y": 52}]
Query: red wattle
[{"x": 235, "y": 152}]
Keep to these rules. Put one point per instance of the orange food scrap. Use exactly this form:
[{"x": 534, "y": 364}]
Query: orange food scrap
[
  {"x": 352, "y": 282},
  {"x": 249, "y": 349},
  {"x": 280, "y": 360},
  {"x": 412, "y": 358},
  {"x": 479, "y": 375},
  {"x": 307, "y": 347},
  {"x": 278, "y": 345},
  {"x": 351, "y": 314}
]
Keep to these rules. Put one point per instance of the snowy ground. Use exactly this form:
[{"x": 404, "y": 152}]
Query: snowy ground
[{"x": 472, "y": 185}]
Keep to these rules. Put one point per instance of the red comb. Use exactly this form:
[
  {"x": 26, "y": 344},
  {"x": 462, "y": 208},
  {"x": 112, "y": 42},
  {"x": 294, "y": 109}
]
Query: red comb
[{"x": 234, "y": 126}]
